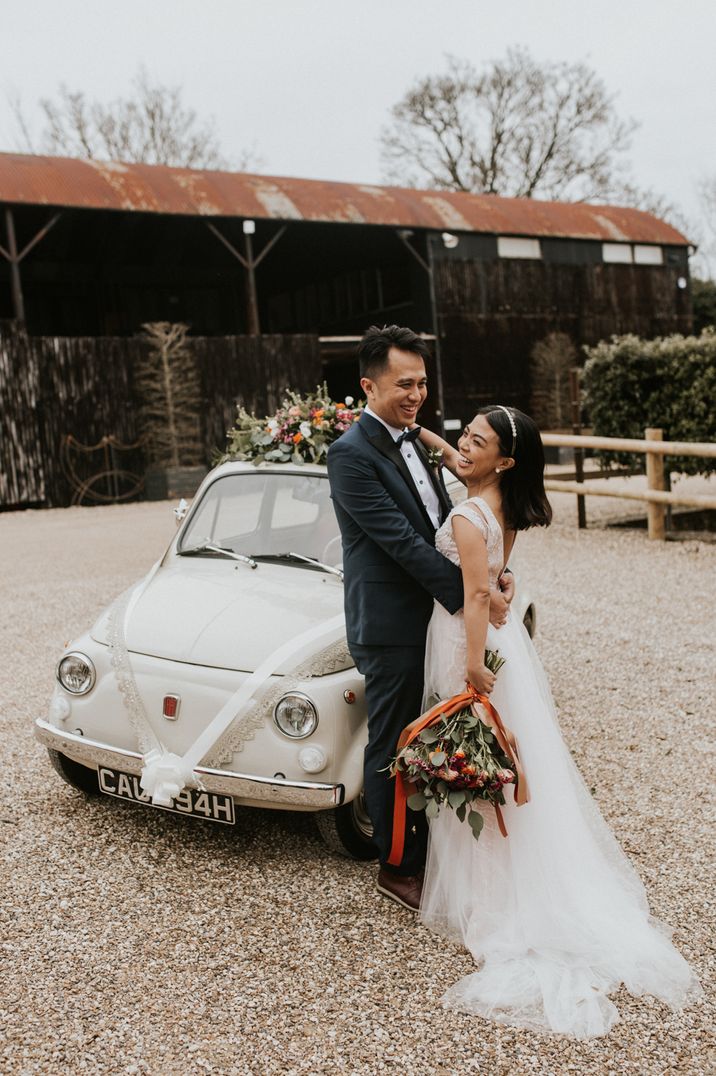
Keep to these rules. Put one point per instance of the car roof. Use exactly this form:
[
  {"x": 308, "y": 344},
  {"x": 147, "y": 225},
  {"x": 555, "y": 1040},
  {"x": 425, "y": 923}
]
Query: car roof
[{"x": 243, "y": 466}]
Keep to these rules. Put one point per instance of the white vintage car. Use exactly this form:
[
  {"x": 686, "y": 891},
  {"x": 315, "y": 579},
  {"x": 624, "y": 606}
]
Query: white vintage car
[{"x": 223, "y": 679}]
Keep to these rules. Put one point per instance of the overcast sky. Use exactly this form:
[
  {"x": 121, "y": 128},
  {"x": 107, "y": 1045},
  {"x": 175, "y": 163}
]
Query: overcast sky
[{"x": 309, "y": 83}]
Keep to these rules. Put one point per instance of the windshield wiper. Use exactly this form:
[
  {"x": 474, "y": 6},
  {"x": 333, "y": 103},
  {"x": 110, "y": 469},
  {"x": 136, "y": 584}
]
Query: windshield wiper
[
  {"x": 303, "y": 560},
  {"x": 209, "y": 547}
]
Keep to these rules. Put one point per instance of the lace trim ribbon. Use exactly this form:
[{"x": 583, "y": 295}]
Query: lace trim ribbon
[
  {"x": 164, "y": 773},
  {"x": 333, "y": 658}
]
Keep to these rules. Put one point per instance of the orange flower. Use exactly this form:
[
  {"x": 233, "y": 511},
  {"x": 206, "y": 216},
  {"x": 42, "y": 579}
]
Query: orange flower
[{"x": 297, "y": 438}]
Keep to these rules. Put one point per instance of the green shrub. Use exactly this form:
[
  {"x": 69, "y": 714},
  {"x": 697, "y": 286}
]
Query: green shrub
[{"x": 670, "y": 382}]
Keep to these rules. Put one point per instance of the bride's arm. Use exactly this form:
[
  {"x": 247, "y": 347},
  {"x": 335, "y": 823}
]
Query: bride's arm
[
  {"x": 472, "y": 548},
  {"x": 450, "y": 454}
]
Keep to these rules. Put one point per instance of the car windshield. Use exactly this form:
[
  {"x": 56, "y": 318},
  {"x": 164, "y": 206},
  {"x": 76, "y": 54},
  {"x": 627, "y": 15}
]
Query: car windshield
[{"x": 267, "y": 514}]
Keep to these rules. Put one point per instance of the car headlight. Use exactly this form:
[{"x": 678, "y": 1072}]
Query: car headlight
[
  {"x": 76, "y": 673},
  {"x": 296, "y": 716}
]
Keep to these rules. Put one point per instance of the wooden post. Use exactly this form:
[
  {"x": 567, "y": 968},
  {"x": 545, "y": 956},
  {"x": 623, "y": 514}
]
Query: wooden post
[
  {"x": 14, "y": 259},
  {"x": 252, "y": 301},
  {"x": 655, "y": 481},
  {"x": 578, "y": 452}
]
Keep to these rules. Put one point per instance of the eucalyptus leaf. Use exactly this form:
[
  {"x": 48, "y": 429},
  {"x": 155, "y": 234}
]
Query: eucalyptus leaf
[
  {"x": 417, "y": 802},
  {"x": 476, "y": 822},
  {"x": 429, "y": 736},
  {"x": 437, "y": 758},
  {"x": 461, "y": 811},
  {"x": 455, "y": 799},
  {"x": 432, "y": 810}
]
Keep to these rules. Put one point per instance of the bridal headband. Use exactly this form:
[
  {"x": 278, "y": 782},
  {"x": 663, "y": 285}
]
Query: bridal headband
[{"x": 500, "y": 407}]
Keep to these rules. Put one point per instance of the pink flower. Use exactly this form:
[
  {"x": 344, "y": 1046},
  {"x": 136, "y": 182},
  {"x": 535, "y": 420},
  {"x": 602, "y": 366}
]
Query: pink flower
[{"x": 446, "y": 774}]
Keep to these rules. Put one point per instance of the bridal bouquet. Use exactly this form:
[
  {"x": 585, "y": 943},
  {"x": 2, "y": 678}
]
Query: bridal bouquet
[
  {"x": 299, "y": 432},
  {"x": 458, "y": 753}
]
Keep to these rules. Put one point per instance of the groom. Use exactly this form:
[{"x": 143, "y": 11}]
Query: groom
[{"x": 389, "y": 503}]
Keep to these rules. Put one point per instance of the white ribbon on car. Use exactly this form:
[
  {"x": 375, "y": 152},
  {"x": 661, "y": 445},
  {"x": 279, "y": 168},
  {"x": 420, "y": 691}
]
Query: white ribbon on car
[{"x": 165, "y": 774}]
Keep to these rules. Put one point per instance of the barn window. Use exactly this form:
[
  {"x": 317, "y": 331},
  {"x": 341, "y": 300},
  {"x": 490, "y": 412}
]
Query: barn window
[
  {"x": 510, "y": 247},
  {"x": 644, "y": 255},
  {"x": 617, "y": 252}
]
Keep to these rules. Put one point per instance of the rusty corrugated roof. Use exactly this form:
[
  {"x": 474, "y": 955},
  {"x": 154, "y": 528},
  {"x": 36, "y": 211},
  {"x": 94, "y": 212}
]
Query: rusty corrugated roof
[{"x": 84, "y": 184}]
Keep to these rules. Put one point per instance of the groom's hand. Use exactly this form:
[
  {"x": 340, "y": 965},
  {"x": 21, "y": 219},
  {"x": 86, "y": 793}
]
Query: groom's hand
[
  {"x": 506, "y": 584},
  {"x": 500, "y": 599},
  {"x": 499, "y": 607}
]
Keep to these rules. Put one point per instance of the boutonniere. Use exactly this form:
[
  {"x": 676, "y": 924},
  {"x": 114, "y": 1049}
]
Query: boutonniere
[{"x": 435, "y": 457}]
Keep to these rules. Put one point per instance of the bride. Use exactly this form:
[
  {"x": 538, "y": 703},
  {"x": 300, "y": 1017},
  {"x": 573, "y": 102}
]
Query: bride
[{"x": 554, "y": 914}]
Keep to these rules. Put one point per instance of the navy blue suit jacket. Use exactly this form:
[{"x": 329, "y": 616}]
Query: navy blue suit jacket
[{"x": 392, "y": 569}]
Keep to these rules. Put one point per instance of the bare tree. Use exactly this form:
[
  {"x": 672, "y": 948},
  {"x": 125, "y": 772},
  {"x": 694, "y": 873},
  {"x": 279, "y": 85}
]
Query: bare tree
[
  {"x": 167, "y": 385},
  {"x": 519, "y": 128},
  {"x": 707, "y": 199},
  {"x": 151, "y": 125},
  {"x": 553, "y": 357}
]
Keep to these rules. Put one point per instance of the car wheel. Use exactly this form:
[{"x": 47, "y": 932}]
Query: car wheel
[
  {"x": 348, "y": 830},
  {"x": 530, "y": 620},
  {"x": 77, "y": 775}
]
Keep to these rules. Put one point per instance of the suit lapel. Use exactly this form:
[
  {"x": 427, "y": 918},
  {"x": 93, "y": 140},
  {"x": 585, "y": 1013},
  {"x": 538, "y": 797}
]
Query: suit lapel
[{"x": 381, "y": 439}]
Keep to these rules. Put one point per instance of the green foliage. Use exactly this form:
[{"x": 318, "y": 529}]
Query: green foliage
[
  {"x": 669, "y": 383},
  {"x": 703, "y": 294}
]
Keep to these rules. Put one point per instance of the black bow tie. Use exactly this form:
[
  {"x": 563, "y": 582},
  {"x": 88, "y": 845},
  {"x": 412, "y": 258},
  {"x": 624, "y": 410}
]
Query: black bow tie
[{"x": 409, "y": 435}]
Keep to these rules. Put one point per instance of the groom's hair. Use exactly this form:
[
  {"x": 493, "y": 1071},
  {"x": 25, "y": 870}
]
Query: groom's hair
[{"x": 374, "y": 347}]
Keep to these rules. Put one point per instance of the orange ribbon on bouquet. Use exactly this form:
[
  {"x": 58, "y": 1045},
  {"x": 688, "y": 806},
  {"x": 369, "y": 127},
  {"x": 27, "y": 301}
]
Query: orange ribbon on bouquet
[{"x": 504, "y": 736}]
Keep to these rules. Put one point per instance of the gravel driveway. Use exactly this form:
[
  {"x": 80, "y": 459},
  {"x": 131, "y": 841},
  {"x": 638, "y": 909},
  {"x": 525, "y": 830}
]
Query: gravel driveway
[{"x": 138, "y": 942}]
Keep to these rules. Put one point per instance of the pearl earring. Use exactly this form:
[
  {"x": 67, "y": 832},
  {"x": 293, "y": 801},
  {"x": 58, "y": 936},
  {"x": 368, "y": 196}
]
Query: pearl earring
[{"x": 497, "y": 470}]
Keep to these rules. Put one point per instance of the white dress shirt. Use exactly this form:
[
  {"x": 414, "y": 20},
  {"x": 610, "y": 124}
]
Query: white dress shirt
[{"x": 418, "y": 472}]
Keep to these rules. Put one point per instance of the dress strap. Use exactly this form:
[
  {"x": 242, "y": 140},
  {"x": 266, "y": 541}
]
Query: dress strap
[{"x": 469, "y": 510}]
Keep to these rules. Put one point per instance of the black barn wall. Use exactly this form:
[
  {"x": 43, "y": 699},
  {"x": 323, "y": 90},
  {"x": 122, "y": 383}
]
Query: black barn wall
[
  {"x": 54, "y": 386},
  {"x": 491, "y": 314}
]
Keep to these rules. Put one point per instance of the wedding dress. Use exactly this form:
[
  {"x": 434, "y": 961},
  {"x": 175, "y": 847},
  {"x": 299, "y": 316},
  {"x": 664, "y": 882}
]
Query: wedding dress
[{"x": 554, "y": 914}]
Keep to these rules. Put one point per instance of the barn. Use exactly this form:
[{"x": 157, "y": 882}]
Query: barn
[{"x": 295, "y": 267}]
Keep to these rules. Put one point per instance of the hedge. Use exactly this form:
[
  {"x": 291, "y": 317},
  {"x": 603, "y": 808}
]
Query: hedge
[{"x": 669, "y": 382}]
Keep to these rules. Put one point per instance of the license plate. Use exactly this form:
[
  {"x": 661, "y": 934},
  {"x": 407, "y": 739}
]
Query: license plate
[{"x": 210, "y": 806}]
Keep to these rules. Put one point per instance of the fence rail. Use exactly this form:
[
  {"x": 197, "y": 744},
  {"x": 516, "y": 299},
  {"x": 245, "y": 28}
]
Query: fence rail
[
  {"x": 632, "y": 444},
  {"x": 656, "y": 495}
]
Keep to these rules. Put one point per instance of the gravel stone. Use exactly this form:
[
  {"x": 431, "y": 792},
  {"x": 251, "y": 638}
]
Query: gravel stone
[{"x": 138, "y": 942}]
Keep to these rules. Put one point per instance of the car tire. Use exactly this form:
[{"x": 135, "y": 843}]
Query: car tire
[
  {"x": 348, "y": 830},
  {"x": 74, "y": 773},
  {"x": 530, "y": 620}
]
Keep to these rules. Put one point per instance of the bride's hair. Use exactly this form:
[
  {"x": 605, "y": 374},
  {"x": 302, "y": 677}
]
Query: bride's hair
[{"x": 524, "y": 500}]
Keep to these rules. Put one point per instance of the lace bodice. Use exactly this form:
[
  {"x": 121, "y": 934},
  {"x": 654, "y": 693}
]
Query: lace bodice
[{"x": 481, "y": 516}]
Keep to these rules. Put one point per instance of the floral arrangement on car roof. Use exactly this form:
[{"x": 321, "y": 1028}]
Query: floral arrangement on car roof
[{"x": 301, "y": 431}]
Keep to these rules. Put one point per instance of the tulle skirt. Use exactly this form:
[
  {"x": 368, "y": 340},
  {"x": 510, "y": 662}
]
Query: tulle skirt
[{"x": 554, "y": 915}]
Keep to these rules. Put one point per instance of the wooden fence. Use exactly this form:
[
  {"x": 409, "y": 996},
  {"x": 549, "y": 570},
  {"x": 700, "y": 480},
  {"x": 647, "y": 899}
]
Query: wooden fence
[
  {"x": 656, "y": 495},
  {"x": 83, "y": 386}
]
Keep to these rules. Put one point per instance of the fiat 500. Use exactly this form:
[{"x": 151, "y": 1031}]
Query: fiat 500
[{"x": 223, "y": 679}]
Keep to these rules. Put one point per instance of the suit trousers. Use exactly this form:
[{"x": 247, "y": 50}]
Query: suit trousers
[{"x": 394, "y": 690}]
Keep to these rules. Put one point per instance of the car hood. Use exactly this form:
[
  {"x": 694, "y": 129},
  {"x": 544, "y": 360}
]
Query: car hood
[{"x": 226, "y": 615}]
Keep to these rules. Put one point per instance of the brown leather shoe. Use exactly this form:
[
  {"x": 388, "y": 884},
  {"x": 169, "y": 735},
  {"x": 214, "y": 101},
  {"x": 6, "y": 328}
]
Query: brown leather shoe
[{"x": 403, "y": 889}]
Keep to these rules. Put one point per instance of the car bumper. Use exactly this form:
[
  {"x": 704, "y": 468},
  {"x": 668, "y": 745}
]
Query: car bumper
[{"x": 244, "y": 788}]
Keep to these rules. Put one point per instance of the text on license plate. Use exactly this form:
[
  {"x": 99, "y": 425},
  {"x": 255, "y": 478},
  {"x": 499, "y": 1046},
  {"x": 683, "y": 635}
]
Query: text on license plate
[{"x": 208, "y": 805}]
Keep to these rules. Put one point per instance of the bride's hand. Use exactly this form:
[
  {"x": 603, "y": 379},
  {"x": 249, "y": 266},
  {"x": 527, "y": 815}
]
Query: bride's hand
[{"x": 481, "y": 679}]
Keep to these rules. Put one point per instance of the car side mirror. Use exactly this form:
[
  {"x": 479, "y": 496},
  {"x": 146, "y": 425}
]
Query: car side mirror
[{"x": 181, "y": 510}]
